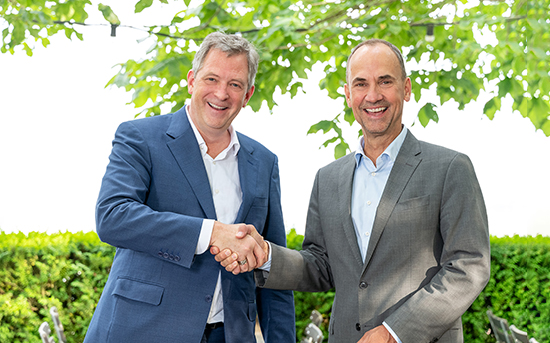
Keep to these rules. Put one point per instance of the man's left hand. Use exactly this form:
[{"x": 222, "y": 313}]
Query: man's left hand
[{"x": 377, "y": 335}]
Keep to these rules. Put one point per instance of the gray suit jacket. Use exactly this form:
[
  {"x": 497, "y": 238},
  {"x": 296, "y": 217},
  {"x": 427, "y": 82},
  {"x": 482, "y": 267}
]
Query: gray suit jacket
[{"x": 428, "y": 256}]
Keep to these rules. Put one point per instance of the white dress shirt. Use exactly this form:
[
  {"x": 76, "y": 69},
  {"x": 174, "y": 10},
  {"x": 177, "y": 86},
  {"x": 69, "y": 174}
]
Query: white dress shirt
[{"x": 223, "y": 177}]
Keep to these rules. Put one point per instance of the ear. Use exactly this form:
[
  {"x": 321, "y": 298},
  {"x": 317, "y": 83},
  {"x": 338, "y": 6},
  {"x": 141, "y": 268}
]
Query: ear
[
  {"x": 408, "y": 89},
  {"x": 247, "y": 96},
  {"x": 348, "y": 95},
  {"x": 190, "y": 81}
]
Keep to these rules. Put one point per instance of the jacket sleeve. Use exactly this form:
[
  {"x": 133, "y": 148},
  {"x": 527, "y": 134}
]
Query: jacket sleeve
[
  {"x": 307, "y": 270},
  {"x": 123, "y": 217},
  {"x": 276, "y": 307},
  {"x": 465, "y": 260}
]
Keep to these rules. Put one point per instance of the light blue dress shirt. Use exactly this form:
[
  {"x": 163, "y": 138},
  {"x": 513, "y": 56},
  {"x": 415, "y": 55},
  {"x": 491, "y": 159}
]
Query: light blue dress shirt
[{"x": 369, "y": 182}]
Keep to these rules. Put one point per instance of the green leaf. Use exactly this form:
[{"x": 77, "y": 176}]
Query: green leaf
[
  {"x": 340, "y": 150},
  {"x": 27, "y": 49},
  {"x": 331, "y": 140},
  {"x": 539, "y": 53},
  {"x": 348, "y": 116},
  {"x": 68, "y": 33},
  {"x": 427, "y": 113},
  {"x": 535, "y": 25},
  {"x": 294, "y": 89},
  {"x": 324, "y": 125},
  {"x": 491, "y": 107},
  {"x": 45, "y": 42},
  {"x": 539, "y": 112},
  {"x": 504, "y": 87},
  {"x": 108, "y": 14},
  {"x": 142, "y": 4},
  {"x": 395, "y": 29},
  {"x": 546, "y": 128},
  {"x": 18, "y": 33}
]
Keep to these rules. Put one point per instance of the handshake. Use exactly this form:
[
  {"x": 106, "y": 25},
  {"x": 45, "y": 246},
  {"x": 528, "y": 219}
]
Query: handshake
[{"x": 238, "y": 247}]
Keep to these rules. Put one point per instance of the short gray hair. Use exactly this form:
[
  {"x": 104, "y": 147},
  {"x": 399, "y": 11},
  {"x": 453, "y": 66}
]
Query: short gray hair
[
  {"x": 374, "y": 41},
  {"x": 232, "y": 45}
]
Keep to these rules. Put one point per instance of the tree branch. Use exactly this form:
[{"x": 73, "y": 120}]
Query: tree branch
[{"x": 300, "y": 30}]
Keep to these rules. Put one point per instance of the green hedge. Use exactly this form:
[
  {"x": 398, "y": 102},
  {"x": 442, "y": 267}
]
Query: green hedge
[
  {"x": 519, "y": 289},
  {"x": 69, "y": 270},
  {"x": 38, "y": 271}
]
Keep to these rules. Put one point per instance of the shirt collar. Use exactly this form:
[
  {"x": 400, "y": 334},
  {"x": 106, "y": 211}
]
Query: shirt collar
[
  {"x": 391, "y": 151},
  {"x": 232, "y": 148}
]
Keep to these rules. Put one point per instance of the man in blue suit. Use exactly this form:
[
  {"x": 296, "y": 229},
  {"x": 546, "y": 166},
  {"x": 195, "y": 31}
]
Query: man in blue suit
[{"x": 175, "y": 185}]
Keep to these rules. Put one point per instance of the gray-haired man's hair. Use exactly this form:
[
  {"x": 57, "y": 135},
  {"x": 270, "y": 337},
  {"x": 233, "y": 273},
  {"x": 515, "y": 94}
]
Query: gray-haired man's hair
[
  {"x": 232, "y": 45},
  {"x": 375, "y": 41}
]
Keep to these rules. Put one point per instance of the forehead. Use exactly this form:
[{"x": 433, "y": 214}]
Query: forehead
[
  {"x": 373, "y": 61},
  {"x": 219, "y": 63},
  {"x": 219, "y": 59}
]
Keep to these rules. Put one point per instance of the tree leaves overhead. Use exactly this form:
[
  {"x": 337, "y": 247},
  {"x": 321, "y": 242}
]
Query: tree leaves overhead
[
  {"x": 499, "y": 47},
  {"x": 109, "y": 15}
]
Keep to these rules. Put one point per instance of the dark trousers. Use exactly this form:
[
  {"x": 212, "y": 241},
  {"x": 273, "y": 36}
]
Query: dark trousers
[{"x": 213, "y": 333}]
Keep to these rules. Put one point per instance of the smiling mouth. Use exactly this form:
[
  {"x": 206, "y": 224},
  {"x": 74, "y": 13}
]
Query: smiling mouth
[
  {"x": 375, "y": 110},
  {"x": 216, "y": 107}
]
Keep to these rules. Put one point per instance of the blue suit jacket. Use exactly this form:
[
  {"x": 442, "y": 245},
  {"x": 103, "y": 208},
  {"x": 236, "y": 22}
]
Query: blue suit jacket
[{"x": 153, "y": 199}]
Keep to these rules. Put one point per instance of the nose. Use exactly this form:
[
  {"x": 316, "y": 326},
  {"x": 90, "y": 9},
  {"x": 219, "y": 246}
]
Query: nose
[
  {"x": 222, "y": 92},
  {"x": 373, "y": 94}
]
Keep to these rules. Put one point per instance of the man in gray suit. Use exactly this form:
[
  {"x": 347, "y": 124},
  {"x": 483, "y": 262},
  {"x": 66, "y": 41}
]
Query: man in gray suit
[{"x": 398, "y": 228}]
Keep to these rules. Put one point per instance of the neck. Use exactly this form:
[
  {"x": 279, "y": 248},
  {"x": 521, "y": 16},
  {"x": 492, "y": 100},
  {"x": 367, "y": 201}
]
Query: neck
[
  {"x": 374, "y": 146},
  {"x": 216, "y": 141},
  {"x": 218, "y": 144}
]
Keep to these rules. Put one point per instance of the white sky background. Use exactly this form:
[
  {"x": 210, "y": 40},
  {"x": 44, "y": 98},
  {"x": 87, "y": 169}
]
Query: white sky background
[{"x": 57, "y": 122}]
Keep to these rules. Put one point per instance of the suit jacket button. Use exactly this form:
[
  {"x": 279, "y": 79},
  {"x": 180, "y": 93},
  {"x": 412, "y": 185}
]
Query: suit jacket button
[
  {"x": 208, "y": 298},
  {"x": 166, "y": 255},
  {"x": 358, "y": 327},
  {"x": 363, "y": 285},
  {"x": 161, "y": 254},
  {"x": 177, "y": 258}
]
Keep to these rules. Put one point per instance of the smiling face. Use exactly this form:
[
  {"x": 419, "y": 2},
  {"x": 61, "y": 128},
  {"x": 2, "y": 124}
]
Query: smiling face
[
  {"x": 218, "y": 92},
  {"x": 376, "y": 91}
]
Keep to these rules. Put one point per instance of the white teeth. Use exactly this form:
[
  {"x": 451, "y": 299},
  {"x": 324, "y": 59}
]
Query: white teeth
[
  {"x": 375, "y": 110},
  {"x": 216, "y": 107}
]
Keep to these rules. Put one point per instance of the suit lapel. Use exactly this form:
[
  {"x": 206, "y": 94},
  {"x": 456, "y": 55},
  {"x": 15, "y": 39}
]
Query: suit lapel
[
  {"x": 405, "y": 164},
  {"x": 248, "y": 176},
  {"x": 185, "y": 149},
  {"x": 345, "y": 188}
]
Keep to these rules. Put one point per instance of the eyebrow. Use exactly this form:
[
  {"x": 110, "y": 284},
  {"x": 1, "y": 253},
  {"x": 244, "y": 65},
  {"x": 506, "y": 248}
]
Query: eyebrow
[
  {"x": 386, "y": 77},
  {"x": 383, "y": 77},
  {"x": 242, "y": 82}
]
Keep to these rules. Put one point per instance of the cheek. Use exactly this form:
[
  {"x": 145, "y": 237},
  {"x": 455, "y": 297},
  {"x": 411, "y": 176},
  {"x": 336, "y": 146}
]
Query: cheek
[{"x": 356, "y": 102}]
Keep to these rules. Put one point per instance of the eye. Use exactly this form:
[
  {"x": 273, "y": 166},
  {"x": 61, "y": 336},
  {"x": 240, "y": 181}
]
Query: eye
[{"x": 386, "y": 83}]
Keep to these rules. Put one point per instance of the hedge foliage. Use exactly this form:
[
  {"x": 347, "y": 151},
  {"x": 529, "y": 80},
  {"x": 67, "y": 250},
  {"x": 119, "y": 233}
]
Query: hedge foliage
[
  {"x": 519, "y": 289},
  {"x": 38, "y": 271},
  {"x": 69, "y": 270}
]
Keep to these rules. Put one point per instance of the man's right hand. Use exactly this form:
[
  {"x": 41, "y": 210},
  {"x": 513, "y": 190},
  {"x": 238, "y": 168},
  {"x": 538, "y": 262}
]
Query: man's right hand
[{"x": 237, "y": 242}]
